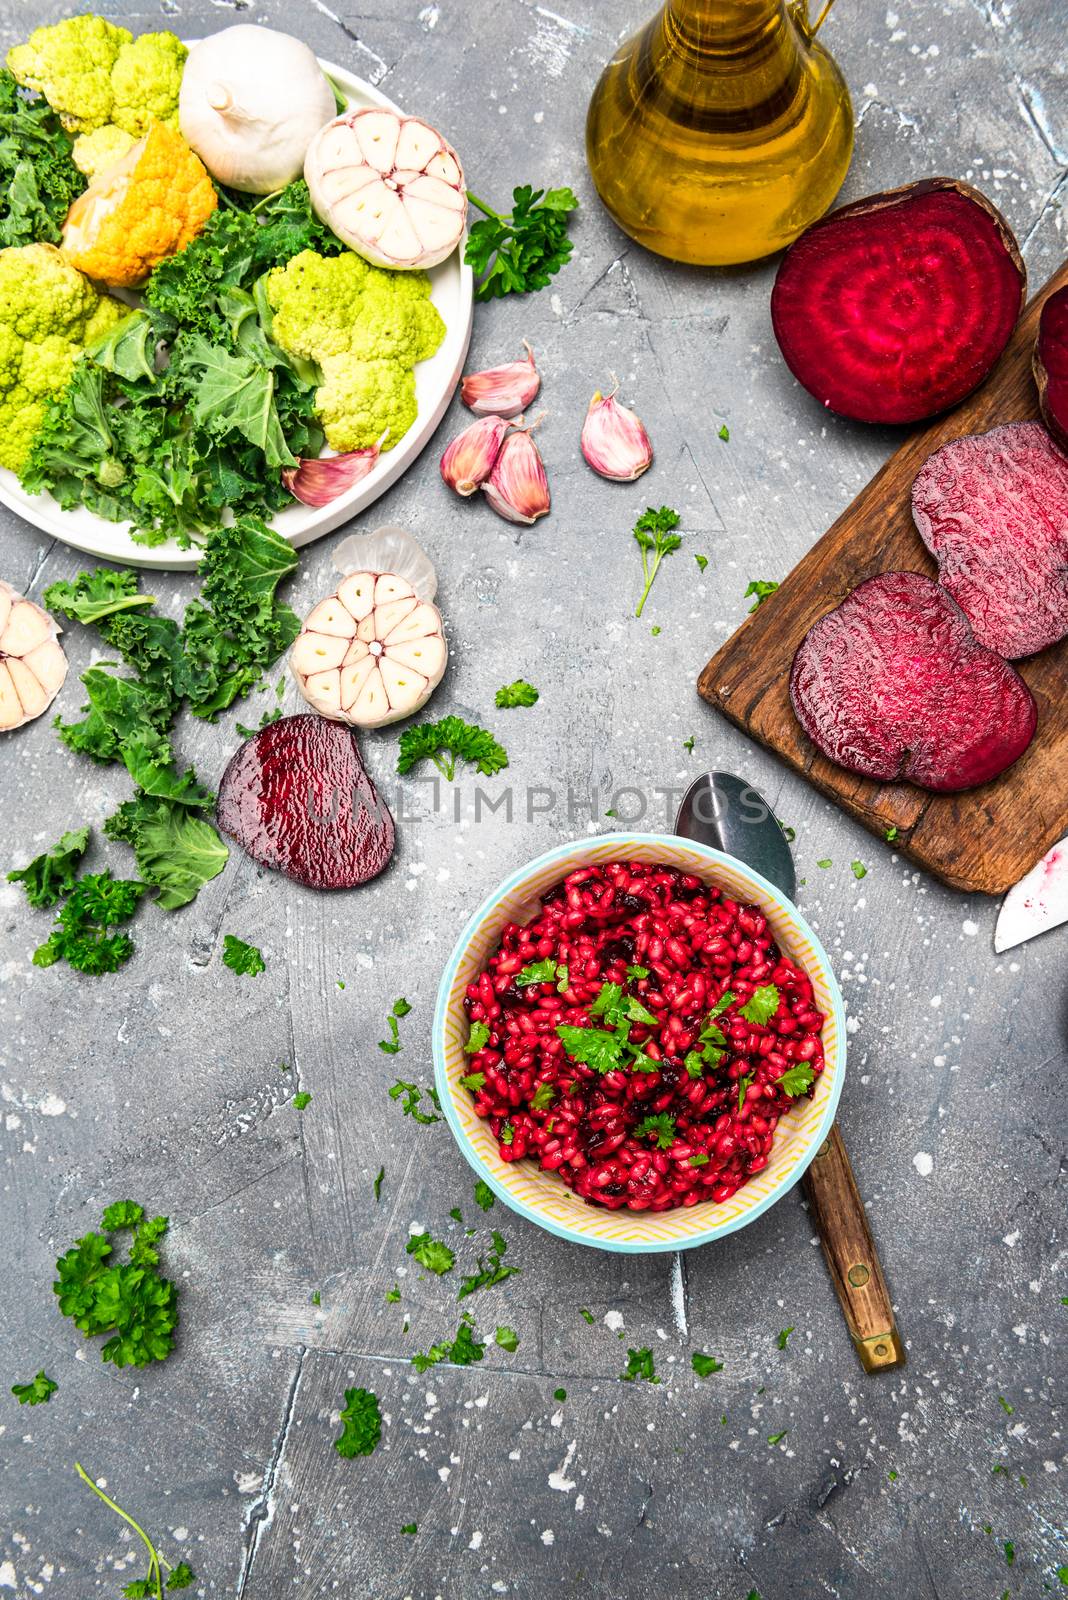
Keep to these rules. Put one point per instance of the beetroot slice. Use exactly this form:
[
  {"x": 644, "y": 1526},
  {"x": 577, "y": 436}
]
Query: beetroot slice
[
  {"x": 992, "y": 508},
  {"x": 894, "y": 307},
  {"x": 297, "y": 797},
  {"x": 892, "y": 684},
  {"x": 1051, "y": 365}
]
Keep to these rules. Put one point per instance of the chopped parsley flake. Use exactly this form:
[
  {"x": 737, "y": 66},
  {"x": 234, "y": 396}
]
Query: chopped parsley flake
[
  {"x": 640, "y": 1366},
  {"x": 242, "y": 958},
  {"x": 38, "y": 1391},
  {"x": 431, "y": 1253},
  {"x": 519, "y": 693},
  {"x": 477, "y": 1039},
  {"x": 361, "y": 1424},
  {"x": 705, "y": 1366}
]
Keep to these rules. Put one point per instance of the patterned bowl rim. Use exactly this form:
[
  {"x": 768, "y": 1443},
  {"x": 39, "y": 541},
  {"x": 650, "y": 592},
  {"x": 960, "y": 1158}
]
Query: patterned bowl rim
[{"x": 498, "y": 1174}]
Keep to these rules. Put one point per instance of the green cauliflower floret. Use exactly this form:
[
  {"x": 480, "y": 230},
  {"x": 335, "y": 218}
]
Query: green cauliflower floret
[
  {"x": 365, "y": 327},
  {"x": 48, "y": 314},
  {"x": 93, "y": 73},
  {"x": 94, "y": 151},
  {"x": 145, "y": 81},
  {"x": 359, "y": 401}
]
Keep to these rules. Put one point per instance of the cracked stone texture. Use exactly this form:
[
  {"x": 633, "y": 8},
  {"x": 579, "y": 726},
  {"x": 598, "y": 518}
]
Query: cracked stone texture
[{"x": 163, "y": 1082}]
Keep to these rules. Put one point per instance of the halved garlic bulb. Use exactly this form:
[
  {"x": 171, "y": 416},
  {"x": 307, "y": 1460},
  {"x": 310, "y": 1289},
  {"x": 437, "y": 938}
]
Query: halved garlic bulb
[
  {"x": 32, "y": 663},
  {"x": 372, "y": 653},
  {"x": 389, "y": 186}
]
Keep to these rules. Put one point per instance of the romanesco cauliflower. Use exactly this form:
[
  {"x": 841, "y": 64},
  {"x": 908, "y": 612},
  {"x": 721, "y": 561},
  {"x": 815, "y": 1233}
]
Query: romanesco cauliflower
[
  {"x": 93, "y": 73},
  {"x": 365, "y": 327},
  {"x": 95, "y": 151},
  {"x": 48, "y": 314}
]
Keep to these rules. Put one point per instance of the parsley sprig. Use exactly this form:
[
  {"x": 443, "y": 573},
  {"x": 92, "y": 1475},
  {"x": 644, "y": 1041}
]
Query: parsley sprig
[
  {"x": 129, "y": 1299},
  {"x": 83, "y": 935},
  {"x": 611, "y": 1051},
  {"x": 179, "y": 1577},
  {"x": 653, "y": 532},
  {"x": 447, "y": 742},
  {"x": 516, "y": 252}
]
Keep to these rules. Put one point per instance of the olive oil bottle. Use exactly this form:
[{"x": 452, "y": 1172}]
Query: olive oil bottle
[{"x": 721, "y": 130}]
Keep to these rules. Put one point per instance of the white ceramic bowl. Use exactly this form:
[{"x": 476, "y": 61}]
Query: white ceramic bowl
[
  {"x": 451, "y": 289},
  {"x": 544, "y": 1198}
]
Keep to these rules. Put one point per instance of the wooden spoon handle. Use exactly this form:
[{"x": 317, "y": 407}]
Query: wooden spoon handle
[{"x": 842, "y": 1225}]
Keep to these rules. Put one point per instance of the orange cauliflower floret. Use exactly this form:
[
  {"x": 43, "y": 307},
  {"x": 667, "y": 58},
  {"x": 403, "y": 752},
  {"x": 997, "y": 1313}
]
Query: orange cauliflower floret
[{"x": 134, "y": 214}]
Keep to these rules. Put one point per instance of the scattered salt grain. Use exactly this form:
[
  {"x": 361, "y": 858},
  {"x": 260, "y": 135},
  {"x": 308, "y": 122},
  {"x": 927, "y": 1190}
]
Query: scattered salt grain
[{"x": 923, "y": 1163}]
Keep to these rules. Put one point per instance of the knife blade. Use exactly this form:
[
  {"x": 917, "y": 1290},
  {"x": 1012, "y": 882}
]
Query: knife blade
[{"x": 1038, "y": 902}]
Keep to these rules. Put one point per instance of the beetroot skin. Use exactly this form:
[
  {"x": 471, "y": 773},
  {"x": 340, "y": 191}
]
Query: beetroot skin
[
  {"x": 895, "y": 307},
  {"x": 1051, "y": 365},
  {"x": 297, "y": 797},
  {"x": 992, "y": 508},
  {"x": 892, "y": 684}
]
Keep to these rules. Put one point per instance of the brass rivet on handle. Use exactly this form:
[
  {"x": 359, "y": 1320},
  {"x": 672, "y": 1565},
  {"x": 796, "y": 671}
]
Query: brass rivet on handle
[
  {"x": 881, "y": 1350},
  {"x": 858, "y": 1277}
]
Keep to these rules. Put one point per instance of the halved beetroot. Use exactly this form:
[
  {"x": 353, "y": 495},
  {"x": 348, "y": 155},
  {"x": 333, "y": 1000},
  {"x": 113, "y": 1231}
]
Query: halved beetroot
[
  {"x": 893, "y": 684},
  {"x": 894, "y": 307},
  {"x": 297, "y": 797},
  {"x": 992, "y": 508},
  {"x": 1050, "y": 364}
]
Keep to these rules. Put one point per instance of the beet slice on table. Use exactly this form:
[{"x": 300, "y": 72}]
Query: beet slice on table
[
  {"x": 992, "y": 508},
  {"x": 895, "y": 307},
  {"x": 297, "y": 797},
  {"x": 892, "y": 684},
  {"x": 1050, "y": 365}
]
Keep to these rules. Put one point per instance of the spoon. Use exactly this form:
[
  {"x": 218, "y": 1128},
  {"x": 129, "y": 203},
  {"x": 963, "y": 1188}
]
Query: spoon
[{"x": 724, "y": 811}]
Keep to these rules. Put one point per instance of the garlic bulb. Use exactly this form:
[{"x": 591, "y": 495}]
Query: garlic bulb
[
  {"x": 250, "y": 104},
  {"x": 374, "y": 651},
  {"x": 32, "y": 663},
  {"x": 389, "y": 186}
]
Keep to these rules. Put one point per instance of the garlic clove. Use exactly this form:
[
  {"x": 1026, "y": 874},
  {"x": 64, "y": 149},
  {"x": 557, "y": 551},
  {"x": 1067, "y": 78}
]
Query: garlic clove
[
  {"x": 469, "y": 459},
  {"x": 315, "y": 482},
  {"x": 517, "y": 488},
  {"x": 357, "y": 594},
  {"x": 425, "y": 655},
  {"x": 329, "y": 616},
  {"x": 502, "y": 391},
  {"x": 318, "y": 652},
  {"x": 614, "y": 440}
]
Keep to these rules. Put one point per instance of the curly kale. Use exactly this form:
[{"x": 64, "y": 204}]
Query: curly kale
[{"x": 38, "y": 179}]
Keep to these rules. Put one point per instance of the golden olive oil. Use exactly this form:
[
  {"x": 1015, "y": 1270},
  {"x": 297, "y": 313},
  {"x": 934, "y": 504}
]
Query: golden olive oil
[{"x": 721, "y": 130}]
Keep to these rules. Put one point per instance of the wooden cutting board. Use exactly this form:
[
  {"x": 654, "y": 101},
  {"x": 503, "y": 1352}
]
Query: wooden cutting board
[{"x": 983, "y": 839}]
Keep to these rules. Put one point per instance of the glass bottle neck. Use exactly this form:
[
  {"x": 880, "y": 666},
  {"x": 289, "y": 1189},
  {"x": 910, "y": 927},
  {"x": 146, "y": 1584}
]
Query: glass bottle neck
[{"x": 729, "y": 26}]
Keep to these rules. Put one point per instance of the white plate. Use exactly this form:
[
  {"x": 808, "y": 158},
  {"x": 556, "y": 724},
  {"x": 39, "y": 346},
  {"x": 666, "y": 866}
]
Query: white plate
[{"x": 435, "y": 382}]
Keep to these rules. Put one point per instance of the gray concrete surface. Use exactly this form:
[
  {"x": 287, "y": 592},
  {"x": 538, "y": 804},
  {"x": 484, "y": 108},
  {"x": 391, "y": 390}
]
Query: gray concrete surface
[{"x": 162, "y": 1082}]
